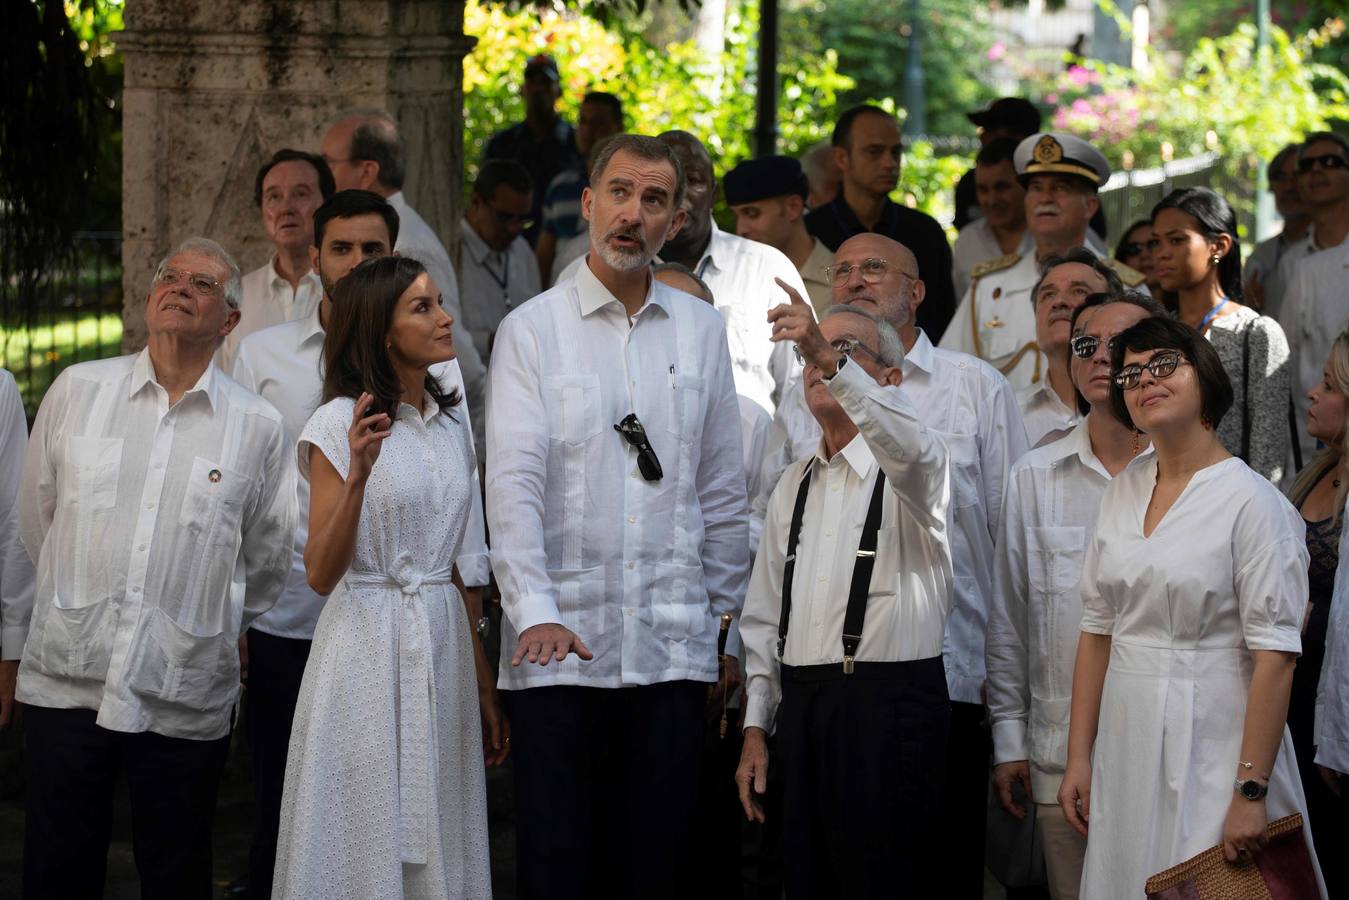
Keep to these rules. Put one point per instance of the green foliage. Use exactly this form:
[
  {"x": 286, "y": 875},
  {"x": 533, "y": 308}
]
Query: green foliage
[
  {"x": 671, "y": 85},
  {"x": 873, "y": 39}
]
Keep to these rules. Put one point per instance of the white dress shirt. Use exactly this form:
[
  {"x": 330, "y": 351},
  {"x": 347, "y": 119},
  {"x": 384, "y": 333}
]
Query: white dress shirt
[
  {"x": 160, "y": 533},
  {"x": 1043, "y": 412},
  {"x": 756, "y": 427},
  {"x": 1049, "y": 514},
  {"x": 268, "y": 299},
  {"x": 976, "y": 243},
  {"x": 493, "y": 283},
  {"x": 740, "y": 274},
  {"x": 1331, "y": 731},
  {"x": 1294, "y": 254},
  {"x": 1314, "y": 313},
  {"x": 416, "y": 240},
  {"x": 974, "y": 409},
  {"x": 282, "y": 364},
  {"x": 640, "y": 570},
  {"x": 16, "y": 569},
  {"x": 910, "y": 590}
]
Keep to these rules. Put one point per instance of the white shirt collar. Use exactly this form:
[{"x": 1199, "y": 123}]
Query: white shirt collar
[
  {"x": 278, "y": 281},
  {"x": 921, "y": 353},
  {"x": 594, "y": 295},
  {"x": 856, "y": 454},
  {"x": 476, "y": 246},
  {"x": 143, "y": 373},
  {"x": 1077, "y": 442}
]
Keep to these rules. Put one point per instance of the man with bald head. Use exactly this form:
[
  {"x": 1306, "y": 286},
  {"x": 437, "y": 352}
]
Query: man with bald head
[
  {"x": 975, "y": 410},
  {"x": 846, "y": 669},
  {"x": 740, "y": 272},
  {"x": 365, "y": 152}
]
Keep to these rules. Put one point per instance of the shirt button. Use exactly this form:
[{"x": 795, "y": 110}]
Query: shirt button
[
  {"x": 632, "y": 520},
  {"x": 823, "y": 579},
  {"x": 631, "y": 564},
  {"x": 835, "y": 489},
  {"x": 628, "y": 611},
  {"x": 149, "y": 506},
  {"x": 140, "y": 549},
  {"x": 829, "y": 532}
]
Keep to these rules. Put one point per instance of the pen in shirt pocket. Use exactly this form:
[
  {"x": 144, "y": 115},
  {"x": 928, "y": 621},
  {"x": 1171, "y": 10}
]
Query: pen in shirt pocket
[{"x": 672, "y": 376}]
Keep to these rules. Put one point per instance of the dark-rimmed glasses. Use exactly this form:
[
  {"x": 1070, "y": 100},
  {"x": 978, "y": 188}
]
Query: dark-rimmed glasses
[
  {"x": 1162, "y": 365},
  {"x": 201, "y": 285},
  {"x": 1328, "y": 161},
  {"x": 1085, "y": 346},
  {"x": 635, "y": 435},
  {"x": 507, "y": 219},
  {"x": 873, "y": 270},
  {"x": 846, "y": 346}
]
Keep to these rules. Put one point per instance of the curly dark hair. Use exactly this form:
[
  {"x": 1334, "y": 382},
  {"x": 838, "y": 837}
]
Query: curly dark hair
[{"x": 355, "y": 353}]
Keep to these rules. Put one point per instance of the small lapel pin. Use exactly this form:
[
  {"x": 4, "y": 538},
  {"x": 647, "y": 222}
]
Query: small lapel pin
[{"x": 213, "y": 476}]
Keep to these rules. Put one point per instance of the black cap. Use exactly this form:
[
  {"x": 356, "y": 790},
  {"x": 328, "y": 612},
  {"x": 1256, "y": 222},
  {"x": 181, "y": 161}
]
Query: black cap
[
  {"x": 542, "y": 64},
  {"x": 1013, "y": 113},
  {"x": 759, "y": 179}
]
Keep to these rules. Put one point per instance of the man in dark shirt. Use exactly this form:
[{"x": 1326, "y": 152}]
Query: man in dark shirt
[
  {"x": 868, "y": 149},
  {"x": 544, "y": 143},
  {"x": 1006, "y": 117}
]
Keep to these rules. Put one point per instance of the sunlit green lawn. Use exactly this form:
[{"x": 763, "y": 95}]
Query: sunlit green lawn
[{"x": 37, "y": 356}]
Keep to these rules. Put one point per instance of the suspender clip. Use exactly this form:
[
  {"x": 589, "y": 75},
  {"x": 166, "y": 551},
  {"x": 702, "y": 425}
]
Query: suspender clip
[
  {"x": 850, "y": 644},
  {"x": 847, "y": 665},
  {"x": 782, "y": 645},
  {"x": 868, "y": 554}
]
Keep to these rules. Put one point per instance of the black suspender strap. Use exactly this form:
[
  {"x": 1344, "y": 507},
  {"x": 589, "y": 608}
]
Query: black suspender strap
[
  {"x": 789, "y": 566},
  {"x": 855, "y": 616},
  {"x": 861, "y": 578}
]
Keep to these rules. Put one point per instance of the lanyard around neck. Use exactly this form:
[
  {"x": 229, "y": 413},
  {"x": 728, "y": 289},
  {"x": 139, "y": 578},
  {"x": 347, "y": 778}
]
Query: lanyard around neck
[{"x": 1208, "y": 317}]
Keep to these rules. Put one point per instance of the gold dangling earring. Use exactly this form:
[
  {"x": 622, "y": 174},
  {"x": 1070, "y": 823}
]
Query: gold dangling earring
[{"x": 1135, "y": 447}]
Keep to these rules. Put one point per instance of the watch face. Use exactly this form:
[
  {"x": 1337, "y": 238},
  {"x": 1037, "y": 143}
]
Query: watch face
[{"x": 1252, "y": 790}]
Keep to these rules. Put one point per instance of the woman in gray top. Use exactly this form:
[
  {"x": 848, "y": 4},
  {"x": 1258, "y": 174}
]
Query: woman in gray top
[{"x": 1198, "y": 262}]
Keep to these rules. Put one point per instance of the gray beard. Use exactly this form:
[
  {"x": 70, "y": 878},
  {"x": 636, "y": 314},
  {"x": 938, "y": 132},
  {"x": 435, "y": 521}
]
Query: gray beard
[{"x": 622, "y": 260}]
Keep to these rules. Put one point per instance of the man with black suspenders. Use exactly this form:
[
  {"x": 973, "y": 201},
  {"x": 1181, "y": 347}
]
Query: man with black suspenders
[{"x": 843, "y": 622}]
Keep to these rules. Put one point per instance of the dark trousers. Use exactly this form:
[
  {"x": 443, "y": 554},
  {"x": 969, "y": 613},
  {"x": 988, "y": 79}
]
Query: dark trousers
[
  {"x": 275, "y": 669},
  {"x": 605, "y": 784},
  {"x": 964, "y": 805},
  {"x": 72, "y": 768},
  {"x": 862, "y": 758}
]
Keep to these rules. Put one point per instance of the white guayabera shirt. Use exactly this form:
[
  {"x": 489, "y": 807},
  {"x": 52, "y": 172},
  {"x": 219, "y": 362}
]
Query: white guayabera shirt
[
  {"x": 1053, "y": 499},
  {"x": 640, "y": 570},
  {"x": 159, "y": 534}
]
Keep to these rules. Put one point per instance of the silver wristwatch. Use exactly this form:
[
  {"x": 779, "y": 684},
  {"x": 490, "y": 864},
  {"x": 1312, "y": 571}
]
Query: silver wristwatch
[{"x": 1250, "y": 788}]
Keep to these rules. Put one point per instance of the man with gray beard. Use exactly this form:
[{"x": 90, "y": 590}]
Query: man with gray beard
[{"x": 617, "y": 509}]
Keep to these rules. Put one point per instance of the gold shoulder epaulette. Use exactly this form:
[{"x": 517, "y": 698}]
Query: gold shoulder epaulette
[
  {"x": 995, "y": 265},
  {"x": 1131, "y": 277}
]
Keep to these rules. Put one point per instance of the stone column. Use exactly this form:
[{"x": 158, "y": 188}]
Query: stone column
[{"x": 212, "y": 89}]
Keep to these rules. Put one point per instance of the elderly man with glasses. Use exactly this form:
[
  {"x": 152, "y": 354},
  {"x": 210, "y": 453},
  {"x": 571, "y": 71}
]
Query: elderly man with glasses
[
  {"x": 974, "y": 409},
  {"x": 844, "y": 621},
  {"x": 158, "y": 504},
  {"x": 498, "y": 269}
]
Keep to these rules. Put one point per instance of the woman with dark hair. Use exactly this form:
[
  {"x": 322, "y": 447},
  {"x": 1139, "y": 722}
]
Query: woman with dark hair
[
  {"x": 1193, "y": 590},
  {"x": 1197, "y": 260},
  {"x": 1319, "y": 494},
  {"x": 385, "y": 794},
  {"x": 1135, "y": 251}
]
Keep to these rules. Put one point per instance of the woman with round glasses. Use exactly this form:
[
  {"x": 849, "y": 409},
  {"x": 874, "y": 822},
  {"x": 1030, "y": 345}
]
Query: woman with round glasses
[
  {"x": 1193, "y": 591},
  {"x": 1197, "y": 260},
  {"x": 1319, "y": 495}
]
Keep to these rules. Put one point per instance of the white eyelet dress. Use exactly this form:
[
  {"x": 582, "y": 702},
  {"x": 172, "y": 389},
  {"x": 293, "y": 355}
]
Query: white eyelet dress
[{"x": 385, "y": 794}]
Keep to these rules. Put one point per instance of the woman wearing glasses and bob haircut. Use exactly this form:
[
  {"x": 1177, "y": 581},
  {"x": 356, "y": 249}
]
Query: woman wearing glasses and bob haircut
[{"x": 1193, "y": 593}]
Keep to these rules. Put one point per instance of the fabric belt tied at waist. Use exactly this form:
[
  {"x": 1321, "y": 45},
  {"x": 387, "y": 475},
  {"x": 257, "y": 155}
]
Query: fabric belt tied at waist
[{"x": 415, "y": 778}]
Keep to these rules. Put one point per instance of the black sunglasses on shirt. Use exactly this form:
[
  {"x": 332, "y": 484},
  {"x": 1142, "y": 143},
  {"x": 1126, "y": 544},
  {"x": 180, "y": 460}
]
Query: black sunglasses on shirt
[{"x": 635, "y": 434}]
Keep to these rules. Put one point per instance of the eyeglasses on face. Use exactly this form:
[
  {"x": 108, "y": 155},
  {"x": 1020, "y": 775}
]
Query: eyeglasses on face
[
  {"x": 1085, "y": 346},
  {"x": 1162, "y": 365},
  {"x": 873, "y": 270},
  {"x": 507, "y": 219},
  {"x": 846, "y": 346},
  {"x": 1327, "y": 161},
  {"x": 635, "y": 435},
  {"x": 201, "y": 285}
]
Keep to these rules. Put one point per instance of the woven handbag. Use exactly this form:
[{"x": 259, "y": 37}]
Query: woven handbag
[{"x": 1282, "y": 871}]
